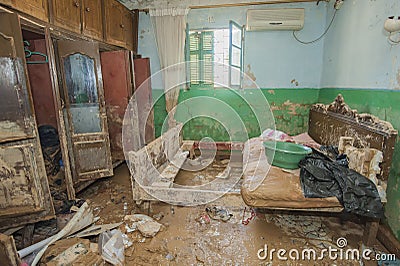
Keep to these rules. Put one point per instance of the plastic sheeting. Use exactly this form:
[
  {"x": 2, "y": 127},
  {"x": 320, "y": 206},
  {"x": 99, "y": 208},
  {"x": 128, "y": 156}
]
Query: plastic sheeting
[{"x": 321, "y": 177}]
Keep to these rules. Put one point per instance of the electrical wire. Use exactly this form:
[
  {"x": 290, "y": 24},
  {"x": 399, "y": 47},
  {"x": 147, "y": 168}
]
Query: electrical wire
[
  {"x": 391, "y": 41},
  {"x": 320, "y": 37}
]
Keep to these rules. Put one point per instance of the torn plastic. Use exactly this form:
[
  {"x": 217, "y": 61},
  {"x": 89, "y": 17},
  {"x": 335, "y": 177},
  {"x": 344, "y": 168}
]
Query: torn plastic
[
  {"x": 111, "y": 245},
  {"x": 321, "y": 177}
]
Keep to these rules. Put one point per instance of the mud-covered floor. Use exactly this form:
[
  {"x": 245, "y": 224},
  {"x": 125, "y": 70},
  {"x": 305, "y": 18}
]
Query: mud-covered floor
[{"x": 186, "y": 240}]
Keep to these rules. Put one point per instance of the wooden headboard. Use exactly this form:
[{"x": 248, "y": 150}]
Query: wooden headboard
[{"x": 327, "y": 123}]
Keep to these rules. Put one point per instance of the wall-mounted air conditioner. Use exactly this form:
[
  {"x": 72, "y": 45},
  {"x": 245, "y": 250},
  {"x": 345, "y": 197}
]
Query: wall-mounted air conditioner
[{"x": 275, "y": 19}]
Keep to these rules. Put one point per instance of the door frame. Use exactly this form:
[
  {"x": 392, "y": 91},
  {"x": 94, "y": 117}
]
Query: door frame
[
  {"x": 85, "y": 140},
  {"x": 27, "y": 24}
]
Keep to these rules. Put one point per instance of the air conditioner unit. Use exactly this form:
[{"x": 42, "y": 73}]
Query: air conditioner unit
[{"x": 275, "y": 19}]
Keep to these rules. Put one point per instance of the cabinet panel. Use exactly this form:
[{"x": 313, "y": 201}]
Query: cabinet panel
[
  {"x": 92, "y": 24},
  {"x": 67, "y": 14},
  {"x": 16, "y": 119},
  {"x": 35, "y": 8},
  {"x": 24, "y": 192},
  {"x": 114, "y": 22},
  {"x": 128, "y": 23},
  {"x": 144, "y": 99},
  {"x": 116, "y": 67},
  {"x": 7, "y": 2},
  {"x": 84, "y": 110},
  {"x": 135, "y": 31}
]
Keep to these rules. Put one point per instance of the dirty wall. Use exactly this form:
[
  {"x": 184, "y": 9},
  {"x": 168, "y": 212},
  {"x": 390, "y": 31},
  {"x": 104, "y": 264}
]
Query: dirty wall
[{"x": 355, "y": 54}]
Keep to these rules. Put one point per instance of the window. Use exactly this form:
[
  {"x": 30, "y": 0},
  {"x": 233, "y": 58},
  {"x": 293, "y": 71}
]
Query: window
[{"x": 223, "y": 46}]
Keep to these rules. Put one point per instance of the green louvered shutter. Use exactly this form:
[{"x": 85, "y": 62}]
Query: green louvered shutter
[
  {"x": 194, "y": 57},
  {"x": 208, "y": 57}
]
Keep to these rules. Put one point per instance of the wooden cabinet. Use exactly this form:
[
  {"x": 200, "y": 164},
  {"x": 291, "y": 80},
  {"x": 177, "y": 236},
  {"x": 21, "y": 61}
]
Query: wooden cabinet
[
  {"x": 24, "y": 191},
  {"x": 67, "y": 14},
  {"x": 36, "y": 8},
  {"x": 128, "y": 23},
  {"x": 118, "y": 78},
  {"x": 114, "y": 22},
  {"x": 80, "y": 16},
  {"x": 119, "y": 26},
  {"x": 86, "y": 17},
  {"x": 92, "y": 21}
]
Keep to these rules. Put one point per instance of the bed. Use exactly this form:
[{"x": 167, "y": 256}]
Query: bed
[{"x": 279, "y": 189}]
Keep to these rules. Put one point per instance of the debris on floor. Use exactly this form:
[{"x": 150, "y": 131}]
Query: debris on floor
[
  {"x": 112, "y": 247},
  {"x": 218, "y": 213},
  {"x": 161, "y": 234}
]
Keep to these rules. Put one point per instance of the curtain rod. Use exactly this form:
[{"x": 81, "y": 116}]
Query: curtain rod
[{"x": 243, "y": 4}]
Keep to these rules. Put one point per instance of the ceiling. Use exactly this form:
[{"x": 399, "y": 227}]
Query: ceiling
[{"x": 147, "y": 4}]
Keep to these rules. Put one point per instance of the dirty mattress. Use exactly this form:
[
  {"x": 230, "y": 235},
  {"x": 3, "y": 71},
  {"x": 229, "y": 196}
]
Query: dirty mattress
[{"x": 276, "y": 188}]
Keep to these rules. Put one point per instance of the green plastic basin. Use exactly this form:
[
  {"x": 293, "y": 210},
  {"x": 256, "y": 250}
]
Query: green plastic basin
[{"x": 287, "y": 155}]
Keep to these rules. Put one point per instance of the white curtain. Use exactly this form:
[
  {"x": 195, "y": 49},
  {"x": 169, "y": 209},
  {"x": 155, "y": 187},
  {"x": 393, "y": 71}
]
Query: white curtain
[{"x": 170, "y": 32}]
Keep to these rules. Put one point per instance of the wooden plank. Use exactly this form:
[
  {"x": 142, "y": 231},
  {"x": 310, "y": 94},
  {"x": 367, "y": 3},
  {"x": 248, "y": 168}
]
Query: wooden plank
[
  {"x": 27, "y": 235},
  {"x": 8, "y": 252},
  {"x": 167, "y": 176},
  {"x": 386, "y": 237},
  {"x": 370, "y": 232}
]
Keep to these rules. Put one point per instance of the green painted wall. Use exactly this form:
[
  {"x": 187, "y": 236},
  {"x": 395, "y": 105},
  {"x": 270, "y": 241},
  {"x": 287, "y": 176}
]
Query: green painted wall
[{"x": 290, "y": 108}]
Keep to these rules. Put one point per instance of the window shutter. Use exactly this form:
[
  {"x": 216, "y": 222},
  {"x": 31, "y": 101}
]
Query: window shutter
[
  {"x": 208, "y": 57},
  {"x": 236, "y": 37},
  {"x": 194, "y": 51}
]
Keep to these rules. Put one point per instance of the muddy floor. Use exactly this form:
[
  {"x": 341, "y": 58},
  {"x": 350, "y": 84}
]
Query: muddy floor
[{"x": 188, "y": 239}]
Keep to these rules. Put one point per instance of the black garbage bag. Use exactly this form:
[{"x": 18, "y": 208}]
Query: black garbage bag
[
  {"x": 322, "y": 177},
  {"x": 51, "y": 149}
]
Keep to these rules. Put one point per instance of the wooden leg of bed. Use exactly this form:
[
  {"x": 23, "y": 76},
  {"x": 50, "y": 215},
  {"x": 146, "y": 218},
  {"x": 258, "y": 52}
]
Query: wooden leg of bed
[{"x": 370, "y": 232}]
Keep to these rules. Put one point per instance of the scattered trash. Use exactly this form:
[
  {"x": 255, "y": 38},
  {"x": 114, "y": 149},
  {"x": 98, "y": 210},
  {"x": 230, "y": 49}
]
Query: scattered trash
[
  {"x": 271, "y": 134},
  {"x": 224, "y": 174},
  {"x": 169, "y": 256},
  {"x": 125, "y": 208},
  {"x": 72, "y": 251},
  {"x": 146, "y": 225},
  {"x": 217, "y": 213},
  {"x": 112, "y": 247},
  {"x": 247, "y": 220},
  {"x": 96, "y": 230},
  {"x": 83, "y": 218},
  {"x": 74, "y": 209},
  {"x": 203, "y": 219},
  {"x": 127, "y": 242},
  {"x": 199, "y": 177},
  {"x": 321, "y": 177},
  {"x": 224, "y": 161},
  {"x": 158, "y": 216},
  {"x": 51, "y": 150}
]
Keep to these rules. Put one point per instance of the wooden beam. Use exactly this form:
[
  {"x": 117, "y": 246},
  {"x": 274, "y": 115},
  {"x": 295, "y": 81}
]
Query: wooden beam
[
  {"x": 8, "y": 252},
  {"x": 370, "y": 232},
  {"x": 386, "y": 237}
]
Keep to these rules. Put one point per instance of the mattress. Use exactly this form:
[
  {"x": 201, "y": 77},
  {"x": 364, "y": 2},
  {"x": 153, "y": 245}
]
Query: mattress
[{"x": 266, "y": 186}]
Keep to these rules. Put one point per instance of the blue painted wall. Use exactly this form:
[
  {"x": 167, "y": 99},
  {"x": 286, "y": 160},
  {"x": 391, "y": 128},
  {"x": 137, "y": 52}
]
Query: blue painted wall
[
  {"x": 273, "y": 58},
  {"x": 357, "y": 53}
]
